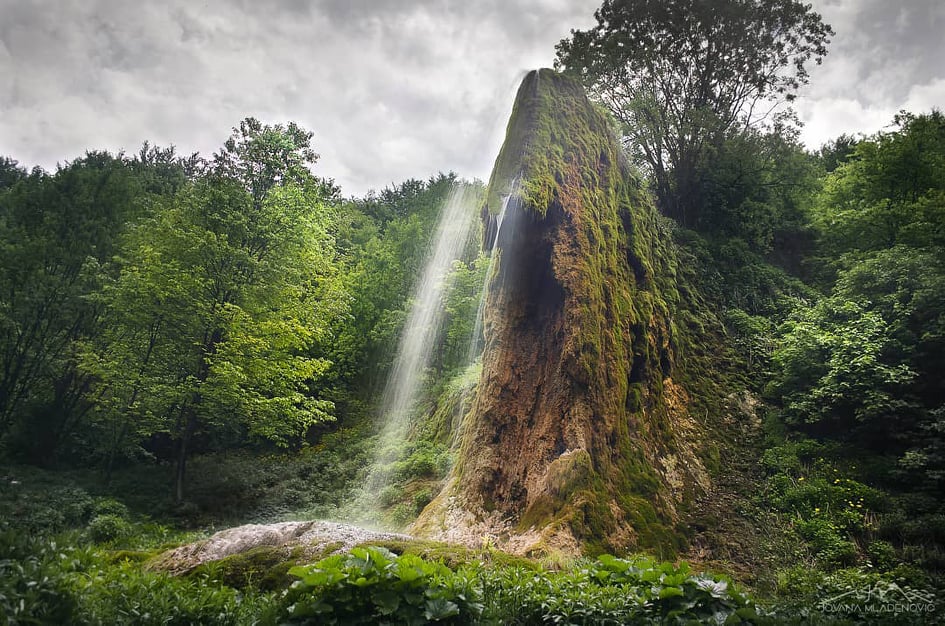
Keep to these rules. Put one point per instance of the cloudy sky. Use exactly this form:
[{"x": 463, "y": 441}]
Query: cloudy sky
[{"x": 392, "y": 89}]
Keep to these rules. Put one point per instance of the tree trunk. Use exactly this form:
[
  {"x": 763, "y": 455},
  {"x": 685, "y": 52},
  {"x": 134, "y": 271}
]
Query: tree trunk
[
  {"x": 211, "y": 340},
  {"x": 189, "y": 428},
  {"x": 112, "y": 452}
]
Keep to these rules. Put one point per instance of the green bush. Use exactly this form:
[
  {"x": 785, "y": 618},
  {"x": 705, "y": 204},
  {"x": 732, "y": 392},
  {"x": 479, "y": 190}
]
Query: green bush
[
  {"x": 882, "y": 554},
  {"x": 613, "y": 591},
  {"x": 33, "y": 588},
  {"x": 109, "y": 506},
  {"x": 108, "y": 527},
  {"x": 390, "y": 495},
  {"x": 422, "y": 459},
  {"x": 372, "y": 585},
  {"x": 34, "y": 503},
  {"x": 44, "y": 581},
  {"x": 852, "y": 596},
  {"x": 422, "y": 498},
  {"x": 829, "y": 511},
  {"x": 826, "y": 538},
  {"x": 124, "y": 593}
]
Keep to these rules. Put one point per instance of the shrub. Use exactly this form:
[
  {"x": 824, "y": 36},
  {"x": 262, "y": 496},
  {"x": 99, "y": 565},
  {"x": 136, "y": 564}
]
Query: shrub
[
  {"x": 882, "y": 554},
  {"x": 109, "y": 506},
  {"x": 33, "y": 590},
  {"x": 421, "y": 499},
  {"x": 613, "y": 591},
  {"x": 831, "y": 512},
  {"x": 35, "y": 504},
  {"x": 371, "y": 585},
  {"x": 423, "y": 459},
  {"x": 43, "y": 581},
  {"x": 127, "y": 594},
  {"x": 108, "y": 527},
  {"x": 827, "y": 541}
]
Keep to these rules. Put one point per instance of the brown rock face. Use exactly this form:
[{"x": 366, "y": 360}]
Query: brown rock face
[{"x": 578, "y": 438}]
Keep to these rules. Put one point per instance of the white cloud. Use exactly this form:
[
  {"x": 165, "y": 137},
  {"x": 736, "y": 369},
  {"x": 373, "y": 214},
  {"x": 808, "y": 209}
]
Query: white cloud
[
  {"x": 828, "y": 118},
  {"x": 924, "y": 98}
]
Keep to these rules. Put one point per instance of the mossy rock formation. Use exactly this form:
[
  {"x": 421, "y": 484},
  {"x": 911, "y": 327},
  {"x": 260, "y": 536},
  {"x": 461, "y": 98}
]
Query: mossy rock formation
[{"x": 579, "y": 439}]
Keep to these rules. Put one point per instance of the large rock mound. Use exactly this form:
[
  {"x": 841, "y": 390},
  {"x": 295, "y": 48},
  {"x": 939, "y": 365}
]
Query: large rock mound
[
  {"x": 580, "y": 438},
  {"x": 304, "y": 540}
]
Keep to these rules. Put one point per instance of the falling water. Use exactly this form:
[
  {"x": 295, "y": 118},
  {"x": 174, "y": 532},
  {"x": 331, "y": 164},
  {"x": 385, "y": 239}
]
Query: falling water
[
  {"x": 475, "y": 341},
  {"x": 426, "y": 313},
  {"x": 424, "y": 324},
  {"x": 423, "y": 328}
]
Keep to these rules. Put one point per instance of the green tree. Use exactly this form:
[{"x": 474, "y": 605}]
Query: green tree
[
  {"x": 461, "y": 305},
  {"x": 220, "y": 297},
  {"x": 679, "y": 75},
  {"x": 759, "y": 188},
  {"x": 864, "y": 366},
  {"x": 891, "y": 190},
  {"x": 10, "y": 172},
  {"x": 58, "y": 233},
  {"x": 385, "y": 240},
  {"x": 836, "y": 152},
  {"x": 839, "y": 373}
]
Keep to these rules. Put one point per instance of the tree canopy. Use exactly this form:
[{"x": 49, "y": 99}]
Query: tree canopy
[{"x": 679, "y": 75}]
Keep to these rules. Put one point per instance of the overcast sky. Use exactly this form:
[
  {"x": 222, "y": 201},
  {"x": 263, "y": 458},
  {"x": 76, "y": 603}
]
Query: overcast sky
[{"x": 392, "y": 89}]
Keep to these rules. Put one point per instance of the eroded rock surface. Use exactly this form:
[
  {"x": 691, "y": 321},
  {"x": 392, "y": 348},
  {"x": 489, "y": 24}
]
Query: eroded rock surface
[{"x": 580, "y": 437}]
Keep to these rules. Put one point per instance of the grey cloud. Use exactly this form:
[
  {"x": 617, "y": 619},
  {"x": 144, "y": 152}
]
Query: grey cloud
[
  {"x": 885, "y": 57},
  {"x": 393, "y": 89},
  {"x": 883, "y": 47}
]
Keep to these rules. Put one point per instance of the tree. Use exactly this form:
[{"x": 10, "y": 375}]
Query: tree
[
  {"x": 891, "y": 190},
  {"x": 838, "y": 372},
  {"x": 678, "y": 74},
  {"x": 836, "y": 152},
  {"x": 58, "y": 233},
  {"x": 220, "y": 297},
  {"x": 394, "y": 229},
  {"x": 10, "y": 172},
  {"x": 262, "y": 157},
  {"x": 865, "y": 364},
  {"x": 758, "y": 188}
]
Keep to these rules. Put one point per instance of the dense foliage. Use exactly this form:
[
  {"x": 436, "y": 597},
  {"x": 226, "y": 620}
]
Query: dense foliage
[
  {"x": 188, "y": 343},
  {"x": 156, "y": 306},
  {"x": 372, "y": 585},
  {"x": 680, "y": 76}
]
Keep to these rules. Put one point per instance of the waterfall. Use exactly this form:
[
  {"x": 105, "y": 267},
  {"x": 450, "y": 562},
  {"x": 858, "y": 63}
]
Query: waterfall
[
  {"x": 423, "y": 326},
  {"x": 476, "y": 340}
]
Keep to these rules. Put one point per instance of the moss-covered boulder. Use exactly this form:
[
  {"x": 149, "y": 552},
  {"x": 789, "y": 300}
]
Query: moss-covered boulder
[
  {"x": 580, "y": 438},
  {"x": 248, "y": 551}
]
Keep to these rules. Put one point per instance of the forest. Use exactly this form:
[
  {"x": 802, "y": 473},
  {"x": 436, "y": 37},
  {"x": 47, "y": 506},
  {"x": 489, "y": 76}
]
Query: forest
[{"x": 191, "y": 343}]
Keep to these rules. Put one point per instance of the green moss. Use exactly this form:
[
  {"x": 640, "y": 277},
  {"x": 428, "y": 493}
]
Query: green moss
[
  {"x": 593, "y": 522},
  {"x": 551, "y": 124},
  {"x": 452, "y": 402},
  {"x": 265, "y": 568},
  {"x": 568, "y": 477},
  {"x": 560, "y": 151},
  {"x": 712, "y": 458},
  {"x": 453, "y": 555},
  {"x": 131, "y": 556},
  {"x": 635, "y": 319}
]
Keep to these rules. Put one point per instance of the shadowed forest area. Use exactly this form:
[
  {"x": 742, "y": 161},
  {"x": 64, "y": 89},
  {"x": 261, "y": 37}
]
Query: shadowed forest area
[{"x": 191, "y": 343}]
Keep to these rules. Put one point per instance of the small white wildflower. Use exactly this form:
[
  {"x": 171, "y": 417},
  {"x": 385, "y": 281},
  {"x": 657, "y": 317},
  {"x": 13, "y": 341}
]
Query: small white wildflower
[{"x": 716, "y": 588}]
